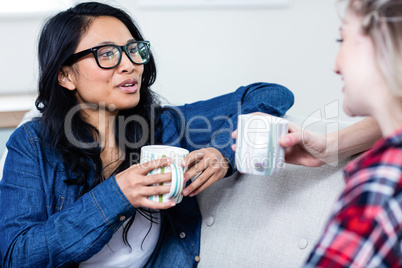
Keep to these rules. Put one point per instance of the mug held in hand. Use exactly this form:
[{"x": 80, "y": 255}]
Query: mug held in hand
[
  {"x": 152, "y": 152},
  {"x": 257, "y": 146}
]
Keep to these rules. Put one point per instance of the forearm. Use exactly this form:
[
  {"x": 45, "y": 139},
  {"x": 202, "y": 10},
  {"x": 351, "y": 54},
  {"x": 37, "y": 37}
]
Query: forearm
[{"x": 354, "y": 139}]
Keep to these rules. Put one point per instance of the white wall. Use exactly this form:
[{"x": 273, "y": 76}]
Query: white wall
[{"x": 202, "y": 53}]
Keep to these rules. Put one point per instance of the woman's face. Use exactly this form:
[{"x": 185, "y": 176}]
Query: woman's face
[
  {"x": 115, "y": 89},
  {"x": 356, "y": 63}
]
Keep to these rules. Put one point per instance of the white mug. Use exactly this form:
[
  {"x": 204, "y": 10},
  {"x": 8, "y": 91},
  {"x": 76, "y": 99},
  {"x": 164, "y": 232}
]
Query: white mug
[
  {"x": 257, "y": 147},
  {"x": 153, "y": 152}
]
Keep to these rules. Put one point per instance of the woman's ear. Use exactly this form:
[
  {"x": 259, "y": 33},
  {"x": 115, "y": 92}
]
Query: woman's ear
[{"x": 64, "y": 77}]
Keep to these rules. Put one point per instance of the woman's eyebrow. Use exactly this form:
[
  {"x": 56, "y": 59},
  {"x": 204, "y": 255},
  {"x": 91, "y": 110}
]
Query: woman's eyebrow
[
  {"x": 113, "y": 43},
  {"x": 105, "y": 43}
]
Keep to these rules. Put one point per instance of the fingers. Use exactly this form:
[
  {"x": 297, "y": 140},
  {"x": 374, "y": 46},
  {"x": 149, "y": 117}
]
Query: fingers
[
  {"x": 203, "y": 181},
  {"x": 234, "y": 134},
  {"x": 192, "y": 158},
  {"x": 137, "y": 185},
  {"x": 154, "y": 164},
  {"x": 212, "y": 167},
  {"x": 156, "y": 190},
  {"x": 200, "y": 167},
  {"x": 157, "y": 178},
  {"x": 156, "y": 205}
]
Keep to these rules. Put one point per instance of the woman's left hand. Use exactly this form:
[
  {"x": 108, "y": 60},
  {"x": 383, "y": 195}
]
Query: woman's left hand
[{"x": 212, "y": 165}]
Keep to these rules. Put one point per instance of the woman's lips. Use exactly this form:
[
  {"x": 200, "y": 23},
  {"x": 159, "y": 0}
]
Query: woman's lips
[{"x": 129, "y": 86}]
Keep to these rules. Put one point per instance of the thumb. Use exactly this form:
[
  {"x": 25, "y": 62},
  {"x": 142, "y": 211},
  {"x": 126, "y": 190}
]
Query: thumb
[{"x": 290, "y": 139}]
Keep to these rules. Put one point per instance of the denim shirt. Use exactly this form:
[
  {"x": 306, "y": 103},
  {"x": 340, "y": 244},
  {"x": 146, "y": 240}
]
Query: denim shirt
[{"x": 43, "y": 224}]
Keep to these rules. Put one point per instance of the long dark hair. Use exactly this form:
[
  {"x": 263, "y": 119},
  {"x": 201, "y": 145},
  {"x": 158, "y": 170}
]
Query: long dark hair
[{"x": 59, "y": 39}]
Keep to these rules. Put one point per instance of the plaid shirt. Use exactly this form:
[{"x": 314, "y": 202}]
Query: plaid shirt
[{"x": 365, "y": 228}]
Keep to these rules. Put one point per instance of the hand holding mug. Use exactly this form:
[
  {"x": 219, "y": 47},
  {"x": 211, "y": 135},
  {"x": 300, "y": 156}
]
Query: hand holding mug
[
  {"x": 175, "y": 170},
  {"x": 210, "y": 166},
  {"x": 137, "y": 185}
]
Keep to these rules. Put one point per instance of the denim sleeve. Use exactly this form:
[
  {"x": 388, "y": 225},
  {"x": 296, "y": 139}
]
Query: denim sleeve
[
  {"x": 210, "y": 123},
  {"x": 36, "y": 228}
]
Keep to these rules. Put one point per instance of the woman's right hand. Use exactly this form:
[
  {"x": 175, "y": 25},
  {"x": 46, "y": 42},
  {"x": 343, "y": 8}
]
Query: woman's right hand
[
  {"x": 306, "y": 148},
  {"x": 137, "y": 186}
]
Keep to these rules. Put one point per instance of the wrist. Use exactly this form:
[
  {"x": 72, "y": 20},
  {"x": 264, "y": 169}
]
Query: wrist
[{"x": 331, "y": 144}]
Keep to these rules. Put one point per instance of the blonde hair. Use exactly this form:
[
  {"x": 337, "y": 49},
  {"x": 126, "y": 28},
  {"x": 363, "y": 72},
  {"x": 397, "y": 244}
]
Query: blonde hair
[{"x": 382, "y": 21}]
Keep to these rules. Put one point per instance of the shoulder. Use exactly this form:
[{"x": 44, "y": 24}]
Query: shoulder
[
  {"x": 24, "y": 143},
  {"x": 29, "y": 132},
  {"x": 376, "y": 177},
  {"x": 29, "y": 136},
  {"x": 373, "y": 189}
]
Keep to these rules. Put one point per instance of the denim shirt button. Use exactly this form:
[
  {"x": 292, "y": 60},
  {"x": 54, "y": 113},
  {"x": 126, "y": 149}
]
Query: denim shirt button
[
  {"x": 182, "y": 235},
  {"x": 197, "y": 259},
  {"x": 122, "y": 218}
]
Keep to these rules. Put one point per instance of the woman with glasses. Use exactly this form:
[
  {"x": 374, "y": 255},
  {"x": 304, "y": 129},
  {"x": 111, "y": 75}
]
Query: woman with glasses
[{"x": 72, "y": 192}]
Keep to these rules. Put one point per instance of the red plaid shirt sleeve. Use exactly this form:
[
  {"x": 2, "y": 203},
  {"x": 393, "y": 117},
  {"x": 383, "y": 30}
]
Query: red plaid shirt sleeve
[{"x": 365, "y": 227}]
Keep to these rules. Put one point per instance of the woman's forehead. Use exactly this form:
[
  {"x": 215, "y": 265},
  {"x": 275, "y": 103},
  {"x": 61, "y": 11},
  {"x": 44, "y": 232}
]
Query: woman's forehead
[{"x": 105, "y": 29}]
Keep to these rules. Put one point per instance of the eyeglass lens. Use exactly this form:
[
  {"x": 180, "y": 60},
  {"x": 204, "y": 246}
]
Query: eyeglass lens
[{"x": 109, "y": 56}]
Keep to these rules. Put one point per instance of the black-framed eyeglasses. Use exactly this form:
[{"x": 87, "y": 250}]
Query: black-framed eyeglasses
[{"x": 109, "y": 56}]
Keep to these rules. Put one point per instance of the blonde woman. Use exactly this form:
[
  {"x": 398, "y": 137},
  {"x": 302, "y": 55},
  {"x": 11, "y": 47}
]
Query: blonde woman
[{"x": 365, "y": 227}]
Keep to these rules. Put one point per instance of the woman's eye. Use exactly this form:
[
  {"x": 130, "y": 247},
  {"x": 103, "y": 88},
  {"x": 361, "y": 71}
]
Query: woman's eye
[
  {"x": 107, "y": 54},
  {"x": 134, "y": 50}
]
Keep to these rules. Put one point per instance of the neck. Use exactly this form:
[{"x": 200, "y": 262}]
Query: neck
[
  {"x": 103, "y": 120},
  {"x": 389, "y": 115}
]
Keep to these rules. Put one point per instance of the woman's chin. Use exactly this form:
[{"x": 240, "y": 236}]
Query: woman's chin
[
  {"x": 348, "y": 110},
  {"x": 353, "y": 112}
]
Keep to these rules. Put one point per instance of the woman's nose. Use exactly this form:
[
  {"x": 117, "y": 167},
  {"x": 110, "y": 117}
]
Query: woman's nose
[
  {"x": 336, "y": 70},
  {"x": 126, "y": 65},
  {"x": 337, "y": 65}
]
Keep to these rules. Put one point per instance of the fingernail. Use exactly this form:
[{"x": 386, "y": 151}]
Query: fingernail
[
  {"x": 173, "y": 204},
  {"x": 185, "y": 192},
  {"x": 183, "y": 163}
]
